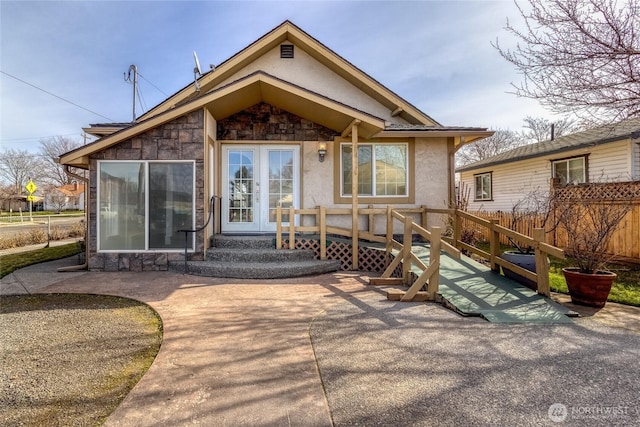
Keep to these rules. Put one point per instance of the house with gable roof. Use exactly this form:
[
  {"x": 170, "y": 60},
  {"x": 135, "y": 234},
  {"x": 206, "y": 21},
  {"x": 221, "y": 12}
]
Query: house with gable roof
[
  {"x": 609, "y": 153},
  {"x": 284, "y": 122}
]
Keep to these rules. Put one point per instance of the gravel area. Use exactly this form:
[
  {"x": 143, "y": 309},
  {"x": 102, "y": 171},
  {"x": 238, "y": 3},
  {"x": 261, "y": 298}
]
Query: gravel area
[
  {"x": 388, "y": 364},
  {"x": 70, "y": 359}
]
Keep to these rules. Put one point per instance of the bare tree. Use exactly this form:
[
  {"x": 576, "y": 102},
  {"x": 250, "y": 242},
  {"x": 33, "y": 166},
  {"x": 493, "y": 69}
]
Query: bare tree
[
  {"x": 51, "y": 149},
  {"x": 57, "y": 199},
  {"x": 502, "y": 140},
  {"x": 16, "y": 167},
  {"x": 538, "y": 129},
  {"x": 579, "y": 57}
]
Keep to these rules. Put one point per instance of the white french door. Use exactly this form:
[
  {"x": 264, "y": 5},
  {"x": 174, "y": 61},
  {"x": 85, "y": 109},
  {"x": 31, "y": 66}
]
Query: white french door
[{"x": 256, "y": 179}]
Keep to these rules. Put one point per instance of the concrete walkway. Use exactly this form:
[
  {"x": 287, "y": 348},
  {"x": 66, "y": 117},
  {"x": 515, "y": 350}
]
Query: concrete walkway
[{"x": 329, "y": 350}]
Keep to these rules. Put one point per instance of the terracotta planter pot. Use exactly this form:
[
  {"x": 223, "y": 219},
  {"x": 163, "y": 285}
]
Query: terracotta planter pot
[{"x": 589, "y": 289}]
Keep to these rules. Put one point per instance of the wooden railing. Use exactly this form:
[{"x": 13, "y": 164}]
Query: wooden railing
[
  {"x": 430, "y": 275},
  {"x": 401, "y": 251},
  {"x": 537, "y": 243},
  {"x": 437, "y": 242}
]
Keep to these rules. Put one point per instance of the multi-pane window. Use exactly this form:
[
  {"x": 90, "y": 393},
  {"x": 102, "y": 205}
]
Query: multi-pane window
[
  {"x": 382, "y": 169},
  {"x": 570, "y": 171},
  {"x": 483, "y": 186},
  {"x": 142, "y": 205}
]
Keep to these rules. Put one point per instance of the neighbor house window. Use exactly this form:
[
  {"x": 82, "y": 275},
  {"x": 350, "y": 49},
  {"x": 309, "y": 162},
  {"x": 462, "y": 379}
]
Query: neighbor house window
[
  {"x": 570, "y": 171},
  {"x": 382, "y": 170},
  {"x": 483, "y": 186},
  {"x": 142, "y": 205}
]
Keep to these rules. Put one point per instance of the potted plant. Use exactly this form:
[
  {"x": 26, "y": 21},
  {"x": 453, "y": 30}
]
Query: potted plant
[{"x": 588, "y": 221}]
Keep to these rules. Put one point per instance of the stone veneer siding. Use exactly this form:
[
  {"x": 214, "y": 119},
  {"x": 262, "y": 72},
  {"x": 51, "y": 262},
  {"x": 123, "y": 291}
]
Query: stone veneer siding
[
  {"x": 264, "y": 122},
  {"x": 180, "y": 139}
]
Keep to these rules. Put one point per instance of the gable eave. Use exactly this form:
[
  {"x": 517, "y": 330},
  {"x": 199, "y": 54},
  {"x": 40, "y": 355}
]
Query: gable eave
[{"x": 287, "y": 31}]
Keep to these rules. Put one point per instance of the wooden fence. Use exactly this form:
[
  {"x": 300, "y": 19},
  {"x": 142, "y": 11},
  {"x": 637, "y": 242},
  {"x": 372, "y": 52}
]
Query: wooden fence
[{"x": 625, "y": 243}]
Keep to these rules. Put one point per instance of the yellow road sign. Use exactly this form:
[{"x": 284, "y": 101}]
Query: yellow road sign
[
  {"x": 31, "y": 198},
  {"x": 31, "y": 187}
]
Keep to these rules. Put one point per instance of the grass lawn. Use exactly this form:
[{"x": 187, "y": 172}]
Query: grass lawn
[
  {"x": 10, "y": 263},
  {"x": 625, "y": 289}
]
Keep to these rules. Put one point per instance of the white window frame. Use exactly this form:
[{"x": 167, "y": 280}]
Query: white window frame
[
  {"x": 146, "y": 207},
  {"x": 373, "y": 172},
  {"x": 566, "y": 161},
  {"x": 475, "y": 187}
]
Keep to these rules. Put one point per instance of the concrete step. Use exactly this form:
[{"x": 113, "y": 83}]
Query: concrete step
[
  {"x": 257, "y": 270},
  {"x": 259, "y": 255},
  {"x": 244, "y": 242}
]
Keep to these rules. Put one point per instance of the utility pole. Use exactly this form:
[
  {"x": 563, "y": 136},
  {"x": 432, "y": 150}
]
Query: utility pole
[{"x": 135, "y": 86}]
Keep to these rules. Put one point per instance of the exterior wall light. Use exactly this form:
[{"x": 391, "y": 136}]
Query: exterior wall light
[{"x": 322, "y": 150}]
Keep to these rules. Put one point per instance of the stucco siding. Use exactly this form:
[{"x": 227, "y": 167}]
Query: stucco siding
[{"x": 306, "y": 72}]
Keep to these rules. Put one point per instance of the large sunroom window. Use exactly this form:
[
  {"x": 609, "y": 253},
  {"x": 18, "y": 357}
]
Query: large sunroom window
[
  {"x": 143, "y": 204},
  {"x": 382, "y": 170}
]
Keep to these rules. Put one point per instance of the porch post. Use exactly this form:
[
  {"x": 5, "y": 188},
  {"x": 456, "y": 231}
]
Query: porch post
[{"x": 354, "y": 194}]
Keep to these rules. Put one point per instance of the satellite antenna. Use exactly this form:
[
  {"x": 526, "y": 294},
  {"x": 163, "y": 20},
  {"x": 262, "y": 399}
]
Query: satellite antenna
[{"x": 197, "y": 71}]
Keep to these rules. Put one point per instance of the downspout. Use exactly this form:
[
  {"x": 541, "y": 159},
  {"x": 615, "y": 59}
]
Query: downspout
[{"x": 86, "y": 222}]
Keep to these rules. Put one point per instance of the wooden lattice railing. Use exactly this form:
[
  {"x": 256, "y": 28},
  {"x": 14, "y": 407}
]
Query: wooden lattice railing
[{"x": 628, "y": 192}]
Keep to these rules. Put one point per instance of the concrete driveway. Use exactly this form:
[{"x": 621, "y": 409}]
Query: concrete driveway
[{"x": 330, "y": 350}]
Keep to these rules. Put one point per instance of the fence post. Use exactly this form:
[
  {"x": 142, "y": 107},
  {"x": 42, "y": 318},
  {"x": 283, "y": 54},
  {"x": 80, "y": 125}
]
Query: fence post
[
  {"x": 494, "y": 245},
  {"x": 323, "y": 232},
  {"x": 542, "y": 265},
  {"x": 406, "y": 250},
  {"x": 434, "y": 258},
  {"x": 457, "y": 229},
  {"x": 389, "y": 228},
  {"x": 372, "y": 222},
  {"x": 278, "y": 227},
  {"x": 292, "y": 227}
]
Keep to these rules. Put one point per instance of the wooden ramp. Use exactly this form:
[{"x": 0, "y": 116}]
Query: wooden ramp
[{"x": 472, "y": 289}]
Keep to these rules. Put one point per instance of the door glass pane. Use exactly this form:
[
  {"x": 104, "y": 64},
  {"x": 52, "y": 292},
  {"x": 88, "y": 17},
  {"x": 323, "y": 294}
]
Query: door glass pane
[
  {"x": 170, "y": 205},
  {"x": 280, "y": 182},
  {"x": 122, "y": 206},
  {"x": 241, "y": 185}
]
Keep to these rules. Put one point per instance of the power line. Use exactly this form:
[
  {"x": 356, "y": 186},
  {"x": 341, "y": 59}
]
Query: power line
[
  {"x": 160, "y": 90},
  {"x": 56, "y": 96},
  {"x": 33, "y": 138}
]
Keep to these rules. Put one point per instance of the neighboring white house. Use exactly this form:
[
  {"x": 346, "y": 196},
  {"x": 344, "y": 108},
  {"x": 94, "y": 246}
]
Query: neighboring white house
[
  {"x": 607, "y": 153},
  {"x": 66, "y": 197}
]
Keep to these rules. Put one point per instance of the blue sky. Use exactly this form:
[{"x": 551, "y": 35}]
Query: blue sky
[{"x": 436, "y": 55}]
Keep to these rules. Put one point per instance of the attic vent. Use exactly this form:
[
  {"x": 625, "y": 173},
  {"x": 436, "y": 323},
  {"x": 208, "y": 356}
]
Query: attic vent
[{"x": 286, "y": 51}]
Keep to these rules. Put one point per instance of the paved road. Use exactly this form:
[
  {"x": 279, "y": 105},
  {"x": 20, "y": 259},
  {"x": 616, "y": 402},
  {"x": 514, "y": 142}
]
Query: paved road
[{"x": 38, "y": 223}]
